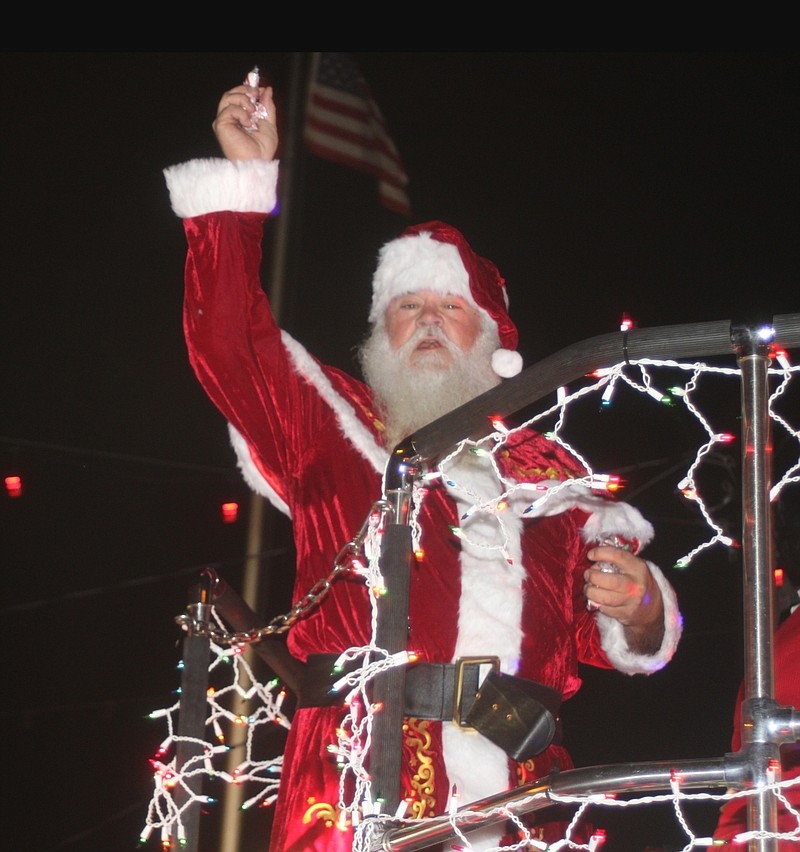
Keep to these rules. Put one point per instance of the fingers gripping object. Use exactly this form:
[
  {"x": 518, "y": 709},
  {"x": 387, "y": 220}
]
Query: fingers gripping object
[
  {"x": 254, "y": 80},
  {"x": 612, "y": 540},
  {"x": 632, "y": 545}
]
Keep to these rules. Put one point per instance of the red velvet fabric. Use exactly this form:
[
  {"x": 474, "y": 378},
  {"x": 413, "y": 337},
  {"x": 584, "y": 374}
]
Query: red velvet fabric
[{"x": 298, "y": 444}]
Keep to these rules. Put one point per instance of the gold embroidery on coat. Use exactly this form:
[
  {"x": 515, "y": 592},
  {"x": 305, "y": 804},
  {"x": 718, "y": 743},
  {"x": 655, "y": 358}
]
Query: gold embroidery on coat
[
  {"x": 320, "y": 810},
  {"x": 423, "y": 785},
  {"x": 535, "y": 474},
  {"x": 526, "y": 772}
]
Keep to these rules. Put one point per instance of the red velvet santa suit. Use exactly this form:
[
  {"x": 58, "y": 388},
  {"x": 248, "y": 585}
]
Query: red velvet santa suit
[{"x": 308, "y": 438}]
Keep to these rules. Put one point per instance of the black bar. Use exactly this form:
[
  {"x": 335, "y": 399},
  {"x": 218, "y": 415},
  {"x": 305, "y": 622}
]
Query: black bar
[
  {"x": 692, "y": 340},
  {"x": 389, "y": 688},
  {"x": 273, "y": 651},
  {"x": 192, "y": 719}
]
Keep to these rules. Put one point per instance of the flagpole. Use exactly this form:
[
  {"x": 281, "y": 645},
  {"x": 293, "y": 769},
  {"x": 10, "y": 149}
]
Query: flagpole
[
  {"x": 289, "y": 152},
  {"x": 259, "y": 519}
]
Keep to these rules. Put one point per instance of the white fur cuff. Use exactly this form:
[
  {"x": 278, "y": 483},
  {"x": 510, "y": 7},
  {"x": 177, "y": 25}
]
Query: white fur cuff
[
  {"x": 208, "y": 186},
  {"x": 252, "y": 475},
  {"x": 614, "y": 643}
]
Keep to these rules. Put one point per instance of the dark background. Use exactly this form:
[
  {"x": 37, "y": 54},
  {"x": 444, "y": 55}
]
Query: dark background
[{"x": 664, "y": 185}]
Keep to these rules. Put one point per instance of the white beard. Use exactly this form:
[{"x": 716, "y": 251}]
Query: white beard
[{"x": 411, "y": 396}]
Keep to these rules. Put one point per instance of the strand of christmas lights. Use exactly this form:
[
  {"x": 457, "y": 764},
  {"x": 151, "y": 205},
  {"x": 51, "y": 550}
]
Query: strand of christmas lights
[
  {"x": 790, "y": 475},
  {"x": 164, "y": 814},
  {"x": 599, "y": 800},
  {"x": 645, "y": 385},
  {"x": 354, "y": 735}
]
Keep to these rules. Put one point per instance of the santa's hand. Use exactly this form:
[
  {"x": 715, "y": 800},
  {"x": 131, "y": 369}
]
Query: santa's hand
[
  {"x": 629, "y": 594},
  {"x": 245, "y": 124}
]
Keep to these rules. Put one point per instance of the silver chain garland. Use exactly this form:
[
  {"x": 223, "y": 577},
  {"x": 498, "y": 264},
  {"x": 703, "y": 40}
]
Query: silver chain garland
[{"x": 309, "y": 601}]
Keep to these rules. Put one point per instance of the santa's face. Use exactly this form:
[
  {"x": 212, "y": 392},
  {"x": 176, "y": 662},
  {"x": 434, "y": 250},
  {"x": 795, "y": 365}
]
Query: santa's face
[
  {"x": 417, "y": 381},
  {"x": 439, "y": 326}
]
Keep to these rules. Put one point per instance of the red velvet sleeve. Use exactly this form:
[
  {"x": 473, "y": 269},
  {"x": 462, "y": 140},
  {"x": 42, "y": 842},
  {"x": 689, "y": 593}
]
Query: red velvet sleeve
[{"x": 235, "y": 345}]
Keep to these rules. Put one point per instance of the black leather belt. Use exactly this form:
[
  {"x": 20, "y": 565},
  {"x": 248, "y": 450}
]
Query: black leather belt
[
  {"x": 519, "y": 715},
  {"x": 430, "y": 687}
]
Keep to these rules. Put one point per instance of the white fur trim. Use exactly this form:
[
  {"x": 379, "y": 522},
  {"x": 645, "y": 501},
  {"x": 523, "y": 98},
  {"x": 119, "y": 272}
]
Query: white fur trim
[
  {"x": 605, "y": 516},
  {"x": 506, "y": 363},
  {"x": 479, "y": 769},
  {"x": 612, "y": 518},
  {"x": 211, "y": 185},
  {"x": 614, "y": 643},
  {"x": 411, "y": 264},
  {"x": 490, "y": 608},
  {"x": 489, "y": 621},
  {"x": 352, "y": 428},
  {"x": 252, "y": 475}
]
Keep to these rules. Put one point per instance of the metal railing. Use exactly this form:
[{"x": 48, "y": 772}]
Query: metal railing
[{"x": 765, "y": 724}]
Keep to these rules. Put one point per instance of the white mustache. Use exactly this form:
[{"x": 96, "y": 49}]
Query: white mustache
[{"x": 427, "y": 333}]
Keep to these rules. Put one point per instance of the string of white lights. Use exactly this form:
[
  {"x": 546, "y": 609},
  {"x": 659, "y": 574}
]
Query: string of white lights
[{"x": 359, "y": 666}]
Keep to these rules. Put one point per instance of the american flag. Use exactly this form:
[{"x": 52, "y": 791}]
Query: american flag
[{"x": 344, "y": 124}]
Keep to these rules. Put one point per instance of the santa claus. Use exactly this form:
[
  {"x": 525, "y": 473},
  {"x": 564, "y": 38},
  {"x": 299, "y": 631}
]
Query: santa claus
[{"x": 524, "y": 593}]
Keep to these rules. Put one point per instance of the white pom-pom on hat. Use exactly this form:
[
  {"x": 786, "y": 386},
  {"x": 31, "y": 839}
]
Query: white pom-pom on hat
[{"x": 506, "y": 363}]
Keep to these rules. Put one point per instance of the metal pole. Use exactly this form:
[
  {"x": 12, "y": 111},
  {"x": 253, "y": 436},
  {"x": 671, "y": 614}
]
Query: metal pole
[
  {"x": 192, "y": 716},
  {"x": 231, "y": 831},
  {"x": 752, "y": 345},
  {"x": 542, "y": 794}
]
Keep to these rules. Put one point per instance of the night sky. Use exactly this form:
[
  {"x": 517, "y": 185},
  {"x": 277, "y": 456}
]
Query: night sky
[{"x": 662, "y": 185}]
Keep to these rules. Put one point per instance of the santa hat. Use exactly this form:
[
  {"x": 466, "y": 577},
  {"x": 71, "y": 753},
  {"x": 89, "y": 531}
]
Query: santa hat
[{"x": 435, "y": 256}]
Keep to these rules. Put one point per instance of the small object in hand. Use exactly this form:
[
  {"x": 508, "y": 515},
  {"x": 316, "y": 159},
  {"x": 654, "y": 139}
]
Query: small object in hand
[
  {"x": 254, "y": 79},
  {"x": 612, "y": 540}
]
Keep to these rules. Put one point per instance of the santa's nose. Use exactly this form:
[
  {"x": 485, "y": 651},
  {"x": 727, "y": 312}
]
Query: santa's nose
[{"x": 429, "y": 315}]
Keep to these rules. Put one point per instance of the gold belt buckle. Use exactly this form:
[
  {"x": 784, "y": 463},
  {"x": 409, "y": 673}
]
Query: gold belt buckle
[{"x": 494, "y": 662}]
